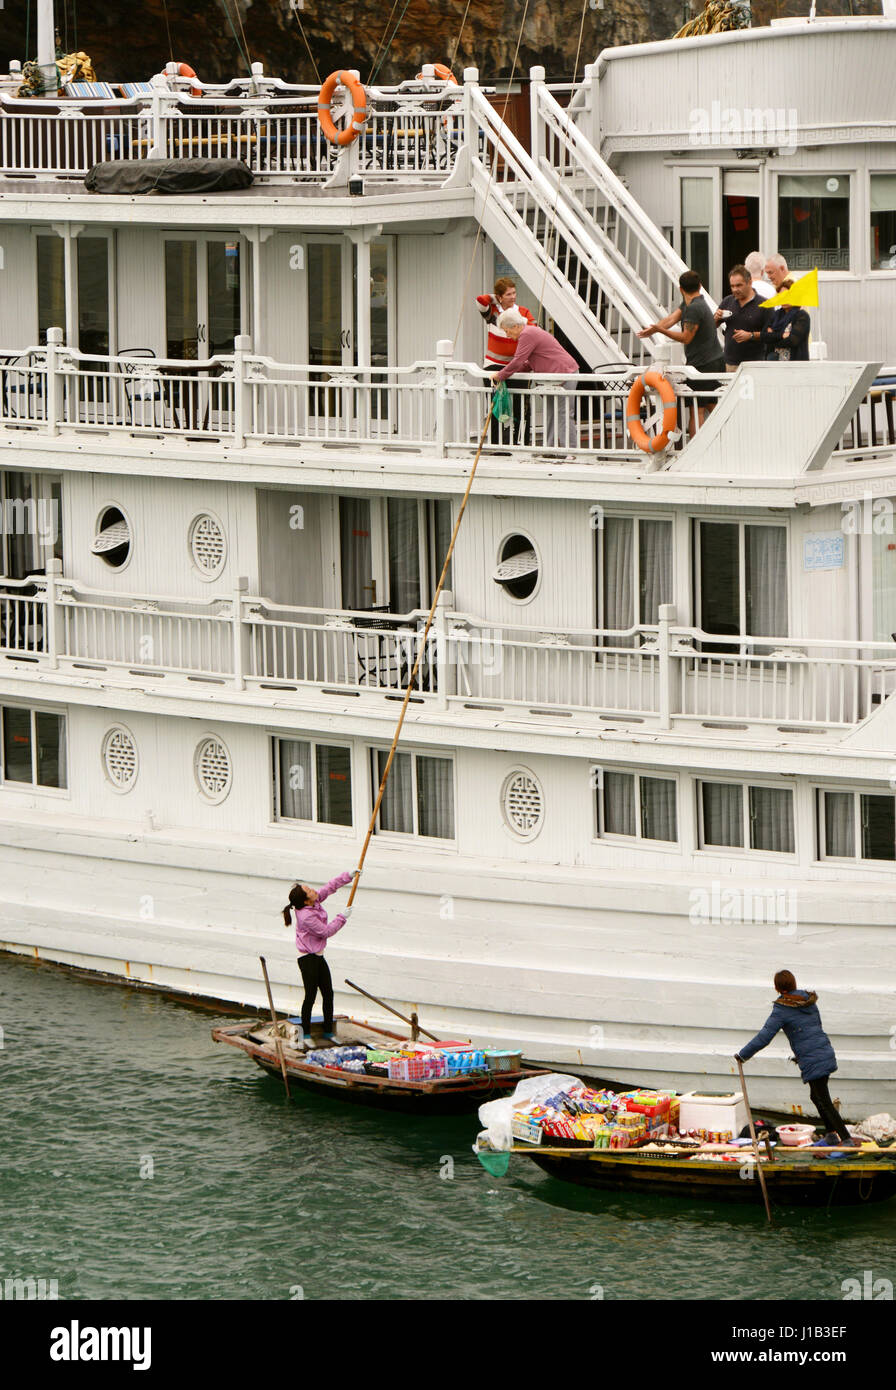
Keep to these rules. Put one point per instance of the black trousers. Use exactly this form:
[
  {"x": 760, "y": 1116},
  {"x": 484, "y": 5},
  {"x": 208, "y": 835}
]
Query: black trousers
[
  {"x": 316, "y": 976},
  {"x": 830, "y": 1115}
]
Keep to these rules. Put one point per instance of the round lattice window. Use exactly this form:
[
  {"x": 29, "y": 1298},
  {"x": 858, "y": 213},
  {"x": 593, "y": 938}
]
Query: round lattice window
[
  {"x": 120, "y": 758},
  {"x": 523, "y": 803},
  {"x": 207, "y": 546},
  {"x": 212, "y": 767}
]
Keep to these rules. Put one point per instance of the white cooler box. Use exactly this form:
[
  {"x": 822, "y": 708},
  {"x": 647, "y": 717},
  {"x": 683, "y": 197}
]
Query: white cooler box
[{"x": 713, "y": 1114}]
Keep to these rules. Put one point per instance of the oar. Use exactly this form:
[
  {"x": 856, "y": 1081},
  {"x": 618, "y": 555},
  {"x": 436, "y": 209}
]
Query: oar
[
  {"x": 384, "y": 1005},
  {"x": 267, "y": 985},
  {"x": 743, "y": 1086}
]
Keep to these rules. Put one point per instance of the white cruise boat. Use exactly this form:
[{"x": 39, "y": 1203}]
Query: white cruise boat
[{"x": 651, "y": 757}]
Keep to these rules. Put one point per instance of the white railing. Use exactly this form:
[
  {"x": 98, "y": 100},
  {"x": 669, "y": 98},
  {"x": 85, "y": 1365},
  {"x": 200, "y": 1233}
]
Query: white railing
[
  {"x": 412, "y": 134},
  {"x": 609, "y": 211},
  {"x": 246, "y": 399},
  {"x": 873, "y": 426},
  {"x": 658, "y": 674}
]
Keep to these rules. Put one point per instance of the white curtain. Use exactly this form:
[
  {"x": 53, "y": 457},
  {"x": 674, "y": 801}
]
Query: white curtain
[
  {"x": 334, "y": 785},
  {"x": 723, "y": 814},
  {"x": 294, "y": 778},
  {"x": 658, "y": 816},
  {"x": 766, "y": 580},
  {"x": 616, "y": 608},
  {"x": 655, "y": 566},
  {"x": 435, "y": 797},
  {"x": 883, "y": 192},
  {"x": 619, "y": 803},
  {"x": 771, "y": 819},
  {"x": 397, "y": 807},
  {"x": 354, "y": 541},
  {"x": 839, "y": 825},
  {"x": 404, "y": 555}
]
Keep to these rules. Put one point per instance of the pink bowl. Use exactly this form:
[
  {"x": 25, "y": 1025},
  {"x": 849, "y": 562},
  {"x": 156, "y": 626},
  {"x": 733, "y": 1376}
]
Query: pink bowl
[{"x": 793, "y": 1135}]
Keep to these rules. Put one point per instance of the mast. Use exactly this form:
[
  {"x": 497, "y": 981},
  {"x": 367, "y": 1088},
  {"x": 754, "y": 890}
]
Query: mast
[{"x": 46, "y": 45}]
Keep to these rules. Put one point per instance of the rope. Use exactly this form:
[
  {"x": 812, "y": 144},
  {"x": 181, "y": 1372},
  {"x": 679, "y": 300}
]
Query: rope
[
  {"x": 453, "y": 58},
  {"x": 575, "y": 71},
  {"x": 379, "y": 64},
  {"x": 308, "y": 46},
  {"x": 168, "y": 29},
  {"x": 242, "y": 50},
  {"x": 491, "y": 179},
  {"x": 381, "y": 41},
  {"x": 412, "y": 678}
]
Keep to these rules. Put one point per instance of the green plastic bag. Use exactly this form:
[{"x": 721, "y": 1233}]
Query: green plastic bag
[{"x": 501, "y": 404}]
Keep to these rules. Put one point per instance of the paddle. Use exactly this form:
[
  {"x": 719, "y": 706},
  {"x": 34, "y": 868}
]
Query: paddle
[
  {"x": 267, "y": 985},
  {"x": 412, "y": 1023},
  {"x": 743, "y": 1086}
]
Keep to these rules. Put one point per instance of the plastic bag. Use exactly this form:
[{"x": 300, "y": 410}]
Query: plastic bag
[
  {"x": 876, "y": 1127},
  {"x": 496, "y": 1116},
  {"x": 501, "y": 408}
]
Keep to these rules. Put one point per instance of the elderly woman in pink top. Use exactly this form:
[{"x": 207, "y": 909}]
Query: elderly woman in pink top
[
  {"x": 538, "y": 352},
  {"x": 313, "y": 930}
]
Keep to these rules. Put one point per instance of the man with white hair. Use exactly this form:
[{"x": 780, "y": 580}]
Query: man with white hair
[
  {"x": 776, "y": 270},
  {"x": 538, "y": 352},
  {"x": 755, "y": 264}
]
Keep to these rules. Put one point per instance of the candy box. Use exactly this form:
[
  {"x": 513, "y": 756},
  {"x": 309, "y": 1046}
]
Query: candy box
[{"x": 527, "y": 1128}]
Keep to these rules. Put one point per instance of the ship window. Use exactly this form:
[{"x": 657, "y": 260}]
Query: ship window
[
  {"x": 312, "y": 782},
  {"x": 634, "y": 574},
  {"x": 813, "y": 221},
  {"x": 112, "y": 542},
  {"x": 522, "y": 801},
  {"x": 31, "y": 532},
  {"x": 50, "y": 285},
  {"x": 856, "y": 825},
  {"x": 883, "y": 221},
  {"x": 419, "y": 795},
  {"x": 741, "y": 581},
  {"x": 120, "y": 761},
  {"x": 738, "y": 817},
  {"x": 212, "y": 768},
  {"x": 518, "y": 567},
  {"x": 93, "y": 294},
  {"x": 208, "y": 548},
  {"x": 642, "y": 808},
  {"x": 34, "y": 747}
]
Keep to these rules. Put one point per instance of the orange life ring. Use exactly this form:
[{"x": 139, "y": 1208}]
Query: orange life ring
[
  {"x": 440, "y": 70},
  {"x": 666, "y": 390},
  {"x": 184, "y": 70},
  {"x": 325, "y": 102}
]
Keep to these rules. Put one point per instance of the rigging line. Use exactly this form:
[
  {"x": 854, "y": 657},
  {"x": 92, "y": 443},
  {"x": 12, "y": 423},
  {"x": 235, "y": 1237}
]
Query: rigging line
[
  {"x": 391, "y": 41},
  {"x": 491, "y": 179},
  {"x": 239, "y": 15},
  {"x": 421, "y": 648},
  {"x": 168, "y": 28},
  {"x": 453, "y": 58},
  {"x": 381, "y": 42},
  {"x": 575, "y": 71},
  {"x": 308, "y": 47},
  {"x": 236, "y": 39}
]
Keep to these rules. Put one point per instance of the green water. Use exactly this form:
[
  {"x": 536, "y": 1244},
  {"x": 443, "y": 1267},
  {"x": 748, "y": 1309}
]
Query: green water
[{"x": 253, "y": 1197}]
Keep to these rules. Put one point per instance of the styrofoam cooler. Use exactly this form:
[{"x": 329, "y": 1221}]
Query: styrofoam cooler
[{"x": 715, "y": 1113}]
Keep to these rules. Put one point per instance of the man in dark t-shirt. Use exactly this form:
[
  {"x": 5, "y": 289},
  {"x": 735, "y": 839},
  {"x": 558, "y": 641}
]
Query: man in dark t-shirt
[
  {"x": 742, "y": 320},
  {"x": 699, "y": 336}
]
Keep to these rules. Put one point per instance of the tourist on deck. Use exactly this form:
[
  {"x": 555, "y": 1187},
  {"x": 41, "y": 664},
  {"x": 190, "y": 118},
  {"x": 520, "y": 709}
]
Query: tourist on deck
[
  {"x": 785, "y": 335},
  {"x": 699, "y": 336},
  {"x": 776, "y": 271},
  {"x": 755, "y": 264},
  {"x": 313, "y": 930},
  {"x": 499, "y": 350},
  {"x": 796, "y": 1012},
  {"x": 538, "y": 352},
  {"x": 742, "y": 320}
]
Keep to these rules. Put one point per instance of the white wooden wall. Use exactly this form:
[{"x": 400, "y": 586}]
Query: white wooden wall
[{"x": 18, "y": 285}]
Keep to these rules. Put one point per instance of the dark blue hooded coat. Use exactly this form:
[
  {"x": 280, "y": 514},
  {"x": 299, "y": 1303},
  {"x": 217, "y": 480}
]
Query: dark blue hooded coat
[{"x": 798, "y": 1015}]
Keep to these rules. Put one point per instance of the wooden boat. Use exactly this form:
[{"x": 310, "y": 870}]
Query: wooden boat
[
  {"x": 454, "y": 1095},
  {"x": 795, "y": 1178}
]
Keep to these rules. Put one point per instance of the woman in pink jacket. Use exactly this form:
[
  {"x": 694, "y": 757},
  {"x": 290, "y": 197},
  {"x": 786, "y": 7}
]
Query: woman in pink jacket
[{"x": 312, "y": 933}]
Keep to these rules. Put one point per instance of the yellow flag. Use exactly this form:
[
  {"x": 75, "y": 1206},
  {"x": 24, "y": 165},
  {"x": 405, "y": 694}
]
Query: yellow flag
[{"x": 803, "y": 291}]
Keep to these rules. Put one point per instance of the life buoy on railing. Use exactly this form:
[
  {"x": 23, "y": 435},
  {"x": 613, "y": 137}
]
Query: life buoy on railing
[
  {"x": 325, "y": 103},
  {"x": 184, "y": 70},
  {"x": 440, "y": 71},
  {"x": 657, "y": 382}
]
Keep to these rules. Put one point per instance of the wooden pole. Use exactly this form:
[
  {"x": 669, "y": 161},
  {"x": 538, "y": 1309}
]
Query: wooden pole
[
  {"x": 421, "y": 648},
  {"x": 757, "y": 1160},
  {"x": 279, "y": 1045},
  {"x": 403, "y": 1017}
]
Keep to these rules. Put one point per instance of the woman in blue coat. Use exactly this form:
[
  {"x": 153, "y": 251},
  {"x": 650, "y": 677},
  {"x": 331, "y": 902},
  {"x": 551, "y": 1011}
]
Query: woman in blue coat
[{"x": 796, "y": 1012}]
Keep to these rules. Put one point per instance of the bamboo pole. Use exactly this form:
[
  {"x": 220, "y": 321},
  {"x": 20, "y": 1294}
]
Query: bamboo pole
[
  {"x": 421, "y": 648},
  {"x": 384, "y": 1005},
  {"x": 759, "y": 1168},
  {"x": 277, "y": 1041}
]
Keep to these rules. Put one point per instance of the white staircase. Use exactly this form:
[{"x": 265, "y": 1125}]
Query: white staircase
[{"x": 572, "y": 230}]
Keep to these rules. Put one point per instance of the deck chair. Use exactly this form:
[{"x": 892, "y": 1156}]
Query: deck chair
[
  {"x": 132, "y": 90},
  {"x": 93, "y": 91}
]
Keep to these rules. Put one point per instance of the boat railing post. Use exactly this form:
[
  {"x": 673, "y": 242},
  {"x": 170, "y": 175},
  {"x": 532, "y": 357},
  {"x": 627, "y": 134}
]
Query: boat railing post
[
  {"x": 666, "y": 616},
  {"x": 444, "y": 349},
  {"x": 441, "y": 657},
  {"x": 239, "y": 662},
  {"x": 537, "y": 138},
  {"x": 51, "y": 636},
  {"x": 54, "y": 379},
  {"x": 158, "y": 115},
  {"x": 242, "y": 404},
  {"x": 471, "y": 125}
]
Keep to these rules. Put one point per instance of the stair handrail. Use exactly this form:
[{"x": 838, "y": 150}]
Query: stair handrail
[{"x": 629, "y": 305}]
